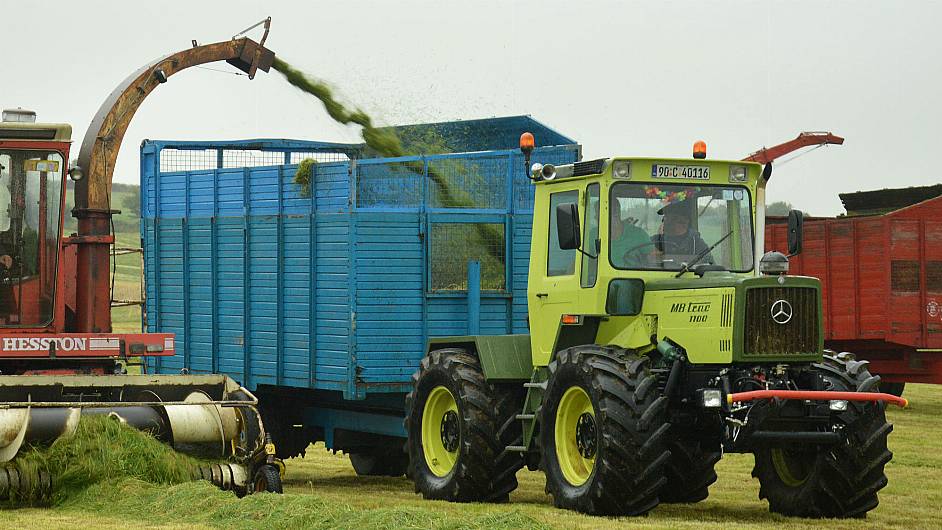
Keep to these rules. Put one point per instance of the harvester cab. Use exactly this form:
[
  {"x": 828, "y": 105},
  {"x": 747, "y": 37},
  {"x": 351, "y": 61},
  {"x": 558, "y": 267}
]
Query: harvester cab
[
  {"x": 661, "y": 336},
  {"x": 59, "y": 358}
]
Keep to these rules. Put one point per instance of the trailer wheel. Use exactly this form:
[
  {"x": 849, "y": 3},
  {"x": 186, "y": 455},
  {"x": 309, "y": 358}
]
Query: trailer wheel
[
  {"x": 380, "y": 463},
  {"x": 603, "y": 432},
  {"x": 690, "y": 470},
  {"x": 893, "y": 388},
  {"x": 458, "y": 428},
  {"x": 267, "y": 479},
  {"x": 841, "y": 480}
]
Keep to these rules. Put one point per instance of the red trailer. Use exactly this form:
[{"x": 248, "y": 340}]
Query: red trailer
[{"x": 881, "y": 272}]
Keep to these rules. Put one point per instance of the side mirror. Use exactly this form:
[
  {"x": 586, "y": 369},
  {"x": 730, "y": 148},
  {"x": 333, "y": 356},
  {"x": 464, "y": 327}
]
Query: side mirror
[
  {"x": 795, "y": 221},
  {"x": 567, "y": 226}
]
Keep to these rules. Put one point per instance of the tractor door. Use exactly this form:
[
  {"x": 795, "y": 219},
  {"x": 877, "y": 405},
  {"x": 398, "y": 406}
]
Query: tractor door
[{"x": 554, "y": 282}]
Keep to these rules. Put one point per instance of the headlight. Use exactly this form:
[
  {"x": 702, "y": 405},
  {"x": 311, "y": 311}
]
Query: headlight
[
  {"x": 75, "y": 172},
  {"x": 773, "y": 264},
  {"x": 711, "y": 398},
  {"x": 737, "y": 173},
  {"x": 621, "y": 169},
  {"x": 837, "y": 405}
]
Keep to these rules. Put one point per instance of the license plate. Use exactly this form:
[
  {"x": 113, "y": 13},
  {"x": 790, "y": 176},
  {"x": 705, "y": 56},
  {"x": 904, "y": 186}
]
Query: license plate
[{"x": 672, "y": 171}]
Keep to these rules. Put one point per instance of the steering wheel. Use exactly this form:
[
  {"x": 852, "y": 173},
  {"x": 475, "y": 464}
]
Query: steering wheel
[{"x": 626, "y": 257}]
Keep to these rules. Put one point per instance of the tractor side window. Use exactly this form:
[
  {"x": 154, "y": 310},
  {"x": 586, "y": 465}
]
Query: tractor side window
[
  {"x": 559, "y": 262},
  {"x": 590, "y": 265}
]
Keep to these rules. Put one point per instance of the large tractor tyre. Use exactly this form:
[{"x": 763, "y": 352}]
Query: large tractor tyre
[
  {"x": 603, "y": 432},
  {"x": 893, "y": 388},
  {"x": 841, "y": 480},
  {"x": 459, "y": 426},
  {"x": 690, "y": 470},
  {"x": 380, "y": 463}
]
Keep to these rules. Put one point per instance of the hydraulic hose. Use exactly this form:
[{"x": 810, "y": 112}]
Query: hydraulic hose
[{"x": 815, "y": 395}]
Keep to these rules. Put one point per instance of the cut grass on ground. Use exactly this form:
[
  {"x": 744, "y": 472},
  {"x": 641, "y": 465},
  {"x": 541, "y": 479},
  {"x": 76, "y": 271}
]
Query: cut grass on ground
[{"x": 323, "y": 492}]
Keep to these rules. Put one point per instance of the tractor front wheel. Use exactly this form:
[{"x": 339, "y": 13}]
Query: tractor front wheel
[
  {"x": 603, "y": 432},
  {"x": 459, "y": 426},
  {"x": 841, "y": 480}
]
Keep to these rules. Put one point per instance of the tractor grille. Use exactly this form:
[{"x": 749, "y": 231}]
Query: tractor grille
[{"x": 764, "y": 335}]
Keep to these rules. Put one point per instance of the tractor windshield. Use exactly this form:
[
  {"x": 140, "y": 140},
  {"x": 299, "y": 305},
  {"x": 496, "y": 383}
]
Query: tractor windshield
[
  {"x": 30, "y": 204},
  {"x": 661, "y": 226}
]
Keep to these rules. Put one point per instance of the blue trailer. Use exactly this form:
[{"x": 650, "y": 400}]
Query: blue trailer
[{"x": 321, "y": 300}]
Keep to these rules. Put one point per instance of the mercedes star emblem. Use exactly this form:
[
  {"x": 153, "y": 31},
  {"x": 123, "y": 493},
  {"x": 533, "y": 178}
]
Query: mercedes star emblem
[{"x": 781, "y": 312}]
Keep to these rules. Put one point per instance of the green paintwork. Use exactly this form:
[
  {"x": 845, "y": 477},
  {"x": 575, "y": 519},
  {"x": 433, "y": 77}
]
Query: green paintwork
[
  {"x": 698, "y": 327},
  {"x": 705, "y": 315},
  {"x": 503, "y": 357},
  {"x": 550, "y": 297}
]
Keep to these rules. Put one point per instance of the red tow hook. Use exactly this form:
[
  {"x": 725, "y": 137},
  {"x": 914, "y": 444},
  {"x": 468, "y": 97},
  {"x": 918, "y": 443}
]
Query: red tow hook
[{"x": 816, "y": 395}]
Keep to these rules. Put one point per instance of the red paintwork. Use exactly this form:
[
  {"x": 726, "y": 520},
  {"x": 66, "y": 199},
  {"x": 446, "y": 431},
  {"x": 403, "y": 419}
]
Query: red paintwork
[
  {"x": 24, "y": 343},
  {"x": 82, "y": 345},
  {"x": 805, "y": 139},
  {"x": 852, "y": 256},
  {"x": 816, "y": 395}
]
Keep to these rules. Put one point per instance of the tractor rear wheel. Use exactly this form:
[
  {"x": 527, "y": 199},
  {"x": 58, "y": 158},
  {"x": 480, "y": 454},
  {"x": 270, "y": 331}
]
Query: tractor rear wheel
[
  {"x": 690, "y": 470},
  {"x": 458, "y": 426},
  {"x": 841, "y": 480},
  {"x": 603, "y": 432}
]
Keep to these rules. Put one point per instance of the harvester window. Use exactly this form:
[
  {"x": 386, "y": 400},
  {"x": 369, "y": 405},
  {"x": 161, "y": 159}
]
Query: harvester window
[
  {"x": 30, "y": 211},
  {"x": 663, "y": 226},
  {"x": 559, "y": 262},
  {"x": 590, "y": 260}
]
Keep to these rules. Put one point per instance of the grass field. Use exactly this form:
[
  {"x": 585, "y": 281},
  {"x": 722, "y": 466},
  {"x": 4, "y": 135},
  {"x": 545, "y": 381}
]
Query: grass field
[{"x": 322, "y": 491}]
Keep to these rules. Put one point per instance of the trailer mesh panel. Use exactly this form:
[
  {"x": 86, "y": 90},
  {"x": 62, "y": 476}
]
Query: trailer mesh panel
[
  {"x": 765, "y": 336},
  {"x": 454, "y": 244}
]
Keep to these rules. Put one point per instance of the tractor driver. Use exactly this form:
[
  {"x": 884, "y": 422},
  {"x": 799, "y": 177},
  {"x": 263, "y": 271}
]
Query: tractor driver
[
  {"x": 677, "y": 242},
  {"x": 631, "y": 245}
]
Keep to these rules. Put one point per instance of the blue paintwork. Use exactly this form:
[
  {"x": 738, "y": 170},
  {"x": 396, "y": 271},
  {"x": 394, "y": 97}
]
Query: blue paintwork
[
  {"x": 474, "y": 297},
  {"x": 328, "y": 292}
]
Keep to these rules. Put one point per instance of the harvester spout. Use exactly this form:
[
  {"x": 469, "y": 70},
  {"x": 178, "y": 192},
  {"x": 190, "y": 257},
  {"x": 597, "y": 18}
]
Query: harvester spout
[{"x": 99, "y": 152}]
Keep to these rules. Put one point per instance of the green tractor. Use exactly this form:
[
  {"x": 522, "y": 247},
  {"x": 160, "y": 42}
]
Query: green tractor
[{"x": 659, "y": 340}]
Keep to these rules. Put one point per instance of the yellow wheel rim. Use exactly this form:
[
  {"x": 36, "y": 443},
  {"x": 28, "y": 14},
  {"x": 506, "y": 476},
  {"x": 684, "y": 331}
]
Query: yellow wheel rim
[
  {"x": 440, "y": 431},
  {"x": 787, "y": 470},
  {"x": 576, "y": 436}
]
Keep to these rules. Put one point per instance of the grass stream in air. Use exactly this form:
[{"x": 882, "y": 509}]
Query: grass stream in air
[{"x": 386, "y": 143}]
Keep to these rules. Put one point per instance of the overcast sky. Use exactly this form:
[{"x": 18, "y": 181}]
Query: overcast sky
[{"x": 622, "y": 78}]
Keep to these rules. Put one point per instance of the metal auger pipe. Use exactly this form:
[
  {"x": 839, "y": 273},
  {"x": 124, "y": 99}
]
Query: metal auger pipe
[{"x": 207, "y": 415}]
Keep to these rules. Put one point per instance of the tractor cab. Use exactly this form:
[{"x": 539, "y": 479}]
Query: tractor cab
[
  {"x": 621, "y": 226},
  {"x": 32, "y": 166}
]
